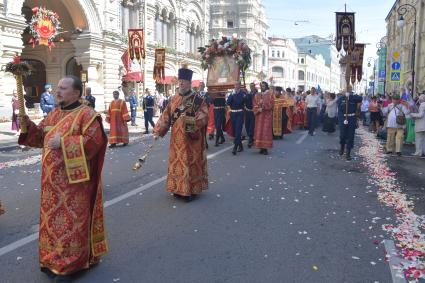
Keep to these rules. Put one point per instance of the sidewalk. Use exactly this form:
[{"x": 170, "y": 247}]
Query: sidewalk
[{"x": 9, "y": 139}]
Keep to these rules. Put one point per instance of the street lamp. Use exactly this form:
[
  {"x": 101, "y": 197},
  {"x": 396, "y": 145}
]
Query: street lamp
[
  {"x": 370, "y": 59},
  {"x": 380, "y": 45},
  {"x": 402, "y": 10}
]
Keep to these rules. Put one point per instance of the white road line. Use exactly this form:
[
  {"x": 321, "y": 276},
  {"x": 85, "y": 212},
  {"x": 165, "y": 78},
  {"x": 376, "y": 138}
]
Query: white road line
[
  {"x": 302, "y": 138},
  {"x": 22, "y": 242},
  {"x": 394, "y": 262}
]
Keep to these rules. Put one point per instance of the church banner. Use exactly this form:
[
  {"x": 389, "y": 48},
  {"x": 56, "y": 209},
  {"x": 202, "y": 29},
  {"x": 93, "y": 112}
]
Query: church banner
[
  {"x": 136, "y": 44},
  {"x": 345, "y": 31},
  {"x": 357, "y": 62},
  {"x": 159, "y": 66}
]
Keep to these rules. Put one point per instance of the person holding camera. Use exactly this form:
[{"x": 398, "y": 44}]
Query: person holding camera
[{"x": 396, "y": 123}]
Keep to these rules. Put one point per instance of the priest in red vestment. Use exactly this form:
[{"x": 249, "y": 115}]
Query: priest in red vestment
[
  {"x": 263, "y": 110},
  {"x": 72, "y": 232},
  {"x": 187, "y": 115},
  {"x": 118, "y": 117}
]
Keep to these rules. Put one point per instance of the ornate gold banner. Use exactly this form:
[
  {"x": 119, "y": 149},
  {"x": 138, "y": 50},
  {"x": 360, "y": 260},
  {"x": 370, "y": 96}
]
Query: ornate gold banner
[
  {"x": 345, "y": 31},
  {"x": 357, "y": 62},
  {"x": 136, "y": 44},
  {"x": 159, "y": 67}
]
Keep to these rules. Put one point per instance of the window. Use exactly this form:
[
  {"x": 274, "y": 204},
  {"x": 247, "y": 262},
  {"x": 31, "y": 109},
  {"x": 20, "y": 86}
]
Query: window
[
  {"x": 301, "y": 75},
  {"x": 278, "y": 54},
  {"x": 277, "y": 72},
  {"x": 273, "y": 53},
  {"x": 283, "y": 54},
  {"x": 302, "y": 60},
  {"x": 229, "y": 24},
  {"x": 264, "y": 58},
  {"x": 165, "y": 29}
]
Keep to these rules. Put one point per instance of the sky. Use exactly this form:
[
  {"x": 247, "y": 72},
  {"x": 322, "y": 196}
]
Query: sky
[{"x": 317, "y": 17}]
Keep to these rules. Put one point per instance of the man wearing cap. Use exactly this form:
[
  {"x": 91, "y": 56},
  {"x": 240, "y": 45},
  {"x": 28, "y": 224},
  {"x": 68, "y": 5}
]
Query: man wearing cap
[
  {"x": 347, "y": 106},
  {"x": 236, "y": 102},
  {"x": 396, "y": 123},
  {"x": 187, "y": 115},
  {"x": 47, "y": 100},
  {"x": 90, "y": 98}
]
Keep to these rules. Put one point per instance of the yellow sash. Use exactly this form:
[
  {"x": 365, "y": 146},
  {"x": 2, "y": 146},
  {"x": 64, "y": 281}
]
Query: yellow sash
[{"x": 72, "y": 149}]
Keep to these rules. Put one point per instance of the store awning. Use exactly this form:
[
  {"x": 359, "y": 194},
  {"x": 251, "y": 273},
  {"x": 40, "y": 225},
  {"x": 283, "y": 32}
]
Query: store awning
[{"x": 133, "y": 77}]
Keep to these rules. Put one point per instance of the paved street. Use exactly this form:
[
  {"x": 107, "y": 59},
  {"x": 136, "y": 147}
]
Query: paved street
[{"x": 301, "y": 214}]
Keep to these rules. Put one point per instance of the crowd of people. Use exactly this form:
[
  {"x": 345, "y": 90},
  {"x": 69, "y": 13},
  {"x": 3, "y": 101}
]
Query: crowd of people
[
  {"x": 74, "y": 144},
  {"x": 398, "y": 118}
]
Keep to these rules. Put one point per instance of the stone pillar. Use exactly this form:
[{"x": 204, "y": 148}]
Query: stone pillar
[
  {"x": 89, "y": 54},
  {"x": 110, "y": 69},
  {"x": 164, "y": 33},
  {"x": 10, "y": 45}
]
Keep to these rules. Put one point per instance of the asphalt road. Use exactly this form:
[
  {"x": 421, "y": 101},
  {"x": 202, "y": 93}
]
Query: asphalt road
[{"x": 300, "y": 214}]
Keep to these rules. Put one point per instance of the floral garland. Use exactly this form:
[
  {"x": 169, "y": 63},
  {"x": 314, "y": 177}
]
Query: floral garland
[
  {"x": 18, "y": 67},
  {"x": 44, "y": 27},
  {"x": 237, "y": 48}
]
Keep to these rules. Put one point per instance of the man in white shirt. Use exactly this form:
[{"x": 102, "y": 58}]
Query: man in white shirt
[
  {"x": 395, "y": 129},
  {"x": 312, "y": 102},
  {"x": 364, "y": 108}
]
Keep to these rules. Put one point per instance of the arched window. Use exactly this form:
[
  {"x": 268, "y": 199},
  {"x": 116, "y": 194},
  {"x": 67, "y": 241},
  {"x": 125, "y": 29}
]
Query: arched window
[
  {"x": 302, "y": 60},
  {"x": 278, "y": 54},
  {"x": 273, "y": 53},
  {"x": 165, "y": 28},
  {"x": 72, "y": 68},
  {"x": 193, "y": 38},
  {"x": 301, "y": 75},
  {"x": 278, "y": 72}
]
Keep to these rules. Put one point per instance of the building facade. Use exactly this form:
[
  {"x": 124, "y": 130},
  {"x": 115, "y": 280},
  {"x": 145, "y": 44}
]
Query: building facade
[
  {"x": 247, "y": 20},
  {"x": 400, "y": 40},
  {"x": 283, "y": 62},
  {"x": 315, "y": 45},
  {"x": 95, "y": 37},
  {"x": 313, "y": 72}
]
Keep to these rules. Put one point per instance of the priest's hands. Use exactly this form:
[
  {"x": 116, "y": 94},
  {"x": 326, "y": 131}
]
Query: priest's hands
[{"x": 54, "y": 142}]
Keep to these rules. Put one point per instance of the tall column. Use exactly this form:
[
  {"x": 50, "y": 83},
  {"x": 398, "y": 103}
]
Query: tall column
[{"x": 164, "y": 32}]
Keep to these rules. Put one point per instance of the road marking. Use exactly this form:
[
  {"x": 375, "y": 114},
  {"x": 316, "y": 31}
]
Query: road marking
[
  {"x": 22, "y": 242},
  {"x": 394, "y": 261},
  {"x": 302, "y": 138}
]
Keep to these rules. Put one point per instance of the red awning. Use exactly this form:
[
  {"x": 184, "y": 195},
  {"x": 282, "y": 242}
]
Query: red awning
[
  {"x": 168, "y": 80},
  {"x": 133, "y": 77}
]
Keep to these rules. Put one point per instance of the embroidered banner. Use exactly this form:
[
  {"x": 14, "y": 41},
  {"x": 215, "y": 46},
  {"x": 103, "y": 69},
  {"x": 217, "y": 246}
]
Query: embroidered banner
[
  {"x": 136, "y": 44},
  {"x": 159, "y": 67},
  {"x": 345, "y": 31},
  {"x": 357, "y": 62}
]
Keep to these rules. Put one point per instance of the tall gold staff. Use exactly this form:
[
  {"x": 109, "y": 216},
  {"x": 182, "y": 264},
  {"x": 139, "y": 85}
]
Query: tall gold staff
[
  {"x": 143, "y": 158},
  {"x": 19, "y": 69}
]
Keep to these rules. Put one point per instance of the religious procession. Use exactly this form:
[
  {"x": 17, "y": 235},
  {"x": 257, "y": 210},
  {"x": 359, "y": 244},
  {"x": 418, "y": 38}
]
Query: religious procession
[{"x": 228, "y": 163}]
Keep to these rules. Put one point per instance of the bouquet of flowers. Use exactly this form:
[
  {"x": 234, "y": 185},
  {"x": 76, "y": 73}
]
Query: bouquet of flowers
[{"x": 234, "y": 47}]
